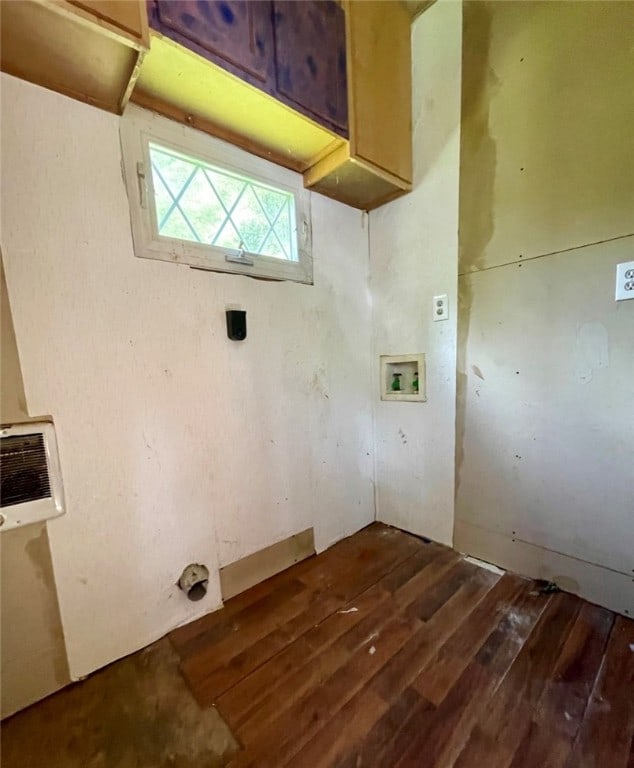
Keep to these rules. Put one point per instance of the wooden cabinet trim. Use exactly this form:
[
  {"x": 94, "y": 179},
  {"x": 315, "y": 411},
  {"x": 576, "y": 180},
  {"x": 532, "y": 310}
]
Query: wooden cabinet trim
[
  {"x": 106, "y": 11},
  {"x": 79, "y": 15}
]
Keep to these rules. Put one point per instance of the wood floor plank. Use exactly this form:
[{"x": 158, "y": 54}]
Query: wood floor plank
[
  {"x": 441, "y": 741},
  {"x": 379, "y": 551},
  {"x": 224, "y": 673},
  {"x": 507, "y": 719},
  {"x": 227, "y": 621},
  {"x": 541, "y": 747},
  {"x": 561, "y": 707},
  {"x": 326, "y": 696},
  {"x": 391, "y": 734},
  {"x": 325, "y": 748},
  {"x": 428, "y": 603},
  {"x": 387, "y": 652},
  {"x": 275, "y": 683},
  {"x": 448, "y": 663},
  {"x": 439, "y": 734},
  {"x": 288, "y": 675},
  {"x": 312, "y": 674},
  {"x": 213, "y": 661},
  {"x": 607, "y": 732},
  {"x": 258, "y": 632},
  {"x": 188, "y": 638},
  {"x": 417, "y": 723},
  {"x": 288, "y": 733},
  {"x": 405, "y": 666},
  {"x": 359, "y": 734}
]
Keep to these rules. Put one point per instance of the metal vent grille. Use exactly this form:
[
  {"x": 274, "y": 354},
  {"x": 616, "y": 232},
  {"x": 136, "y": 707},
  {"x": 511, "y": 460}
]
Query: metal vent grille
[{"x": 24, "y": 469}]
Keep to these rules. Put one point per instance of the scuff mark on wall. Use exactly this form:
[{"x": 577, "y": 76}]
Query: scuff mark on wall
[
  {"x": 319, "y": 384},
  {"x": 591, "y": 351},
  {"x": 478, "y": 157},
  {"x": 478, "y": 161}
]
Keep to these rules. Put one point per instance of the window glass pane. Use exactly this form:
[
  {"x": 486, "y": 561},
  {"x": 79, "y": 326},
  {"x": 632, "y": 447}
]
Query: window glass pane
[
  {"x": 283, "y": 228},
  {"x": 197, "y": 202},
  {"x": 228, "y": 236},
  {"x": 251, "y": 221},
  {"x": 273, "y": 247},
  {"x": 227, "y": 188},
  {"x": 202, "y": 208}
]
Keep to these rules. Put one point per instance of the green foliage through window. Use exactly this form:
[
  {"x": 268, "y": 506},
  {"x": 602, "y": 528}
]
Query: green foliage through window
[{"x": 199, "y": 203}]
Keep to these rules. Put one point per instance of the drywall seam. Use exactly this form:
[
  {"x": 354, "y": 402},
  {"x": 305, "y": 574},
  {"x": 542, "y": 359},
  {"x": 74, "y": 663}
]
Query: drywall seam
[
  {"x": 544, "y": 255},
  {"x": 534, "y": 544},
  {"x": 596, "y": 584}
]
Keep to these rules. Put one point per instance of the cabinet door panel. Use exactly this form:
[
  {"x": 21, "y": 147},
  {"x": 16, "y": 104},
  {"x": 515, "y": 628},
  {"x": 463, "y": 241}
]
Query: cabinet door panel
[
  {"x": 235, "y": 34},
  {"x": 310, "y": 58},
  {"x": 381, "y": 97}
]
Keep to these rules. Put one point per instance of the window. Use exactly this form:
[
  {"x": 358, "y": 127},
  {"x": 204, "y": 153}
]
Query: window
[{"x": 199, "y": 201}]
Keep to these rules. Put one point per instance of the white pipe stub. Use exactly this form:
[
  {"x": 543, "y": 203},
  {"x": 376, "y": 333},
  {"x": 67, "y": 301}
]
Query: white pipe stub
[{"x": 194, "y": 581}]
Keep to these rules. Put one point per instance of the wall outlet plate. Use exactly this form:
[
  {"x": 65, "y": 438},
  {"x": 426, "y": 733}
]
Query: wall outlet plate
[
  {"x": 624, "y": 281},
  {"x": 441, "y": 307}
]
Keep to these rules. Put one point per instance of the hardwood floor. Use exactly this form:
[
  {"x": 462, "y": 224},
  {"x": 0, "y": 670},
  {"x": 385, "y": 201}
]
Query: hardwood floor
[{"x": 390, "y": 651}]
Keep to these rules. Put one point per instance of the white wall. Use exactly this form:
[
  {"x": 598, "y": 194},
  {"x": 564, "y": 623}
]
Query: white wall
[
  {"x": 414, "y": 256},
  {"x": 176, "y": 444}
]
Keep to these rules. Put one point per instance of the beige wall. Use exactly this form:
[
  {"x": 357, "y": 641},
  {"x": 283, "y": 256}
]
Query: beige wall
[
  {"x": 33, "y": 656},
  {"x": 12, "y": 398},
  {"x": 545, "y": 438},
  {"x": 414, "y": 256}
]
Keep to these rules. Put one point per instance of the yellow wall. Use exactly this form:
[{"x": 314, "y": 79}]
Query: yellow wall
[{"x": 546, "y": 357}]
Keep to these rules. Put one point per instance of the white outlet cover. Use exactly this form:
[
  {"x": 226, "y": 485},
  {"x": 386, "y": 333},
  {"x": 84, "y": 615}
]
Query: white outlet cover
[
  {"x": 441, "y": 307},
  {"x": 624, "y": 281}
]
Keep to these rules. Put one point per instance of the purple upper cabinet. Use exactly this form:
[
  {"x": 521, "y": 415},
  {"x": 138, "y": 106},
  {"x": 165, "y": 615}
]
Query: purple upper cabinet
[
  {"x": 310, "y": 58},
  {"x": 293, "y": 50},
  {"x": 235, "y": 34}
]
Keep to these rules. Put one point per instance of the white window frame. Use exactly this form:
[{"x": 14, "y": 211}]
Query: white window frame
[{"x": 138, "y": 128}]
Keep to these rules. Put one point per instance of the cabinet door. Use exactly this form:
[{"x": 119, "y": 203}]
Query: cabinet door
[
  {"x": 381, "y": 88},
  {"x": 235, "y": 34},
  {"x": 310, "y": 58}
]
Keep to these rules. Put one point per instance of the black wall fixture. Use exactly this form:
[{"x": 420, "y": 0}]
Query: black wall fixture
[{"x": 236, "y": 324}]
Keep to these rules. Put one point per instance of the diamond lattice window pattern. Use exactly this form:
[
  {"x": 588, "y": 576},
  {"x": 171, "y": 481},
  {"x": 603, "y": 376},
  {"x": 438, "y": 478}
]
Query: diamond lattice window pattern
[{"x": 202, "y": 204}]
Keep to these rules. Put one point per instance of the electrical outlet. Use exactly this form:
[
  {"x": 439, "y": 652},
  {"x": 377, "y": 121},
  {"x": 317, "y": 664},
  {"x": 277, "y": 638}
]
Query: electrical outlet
[
  {"x": 441, "y": 307},
  {"x": 624, "y": 281}
]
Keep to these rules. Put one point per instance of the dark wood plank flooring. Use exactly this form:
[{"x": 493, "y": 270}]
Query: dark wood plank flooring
[{"x": 389, "y": 651}]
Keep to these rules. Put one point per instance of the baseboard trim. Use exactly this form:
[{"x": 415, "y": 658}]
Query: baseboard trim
[
  {"x": 251, "y": 570},
  {"x": 602, "y": 586}
]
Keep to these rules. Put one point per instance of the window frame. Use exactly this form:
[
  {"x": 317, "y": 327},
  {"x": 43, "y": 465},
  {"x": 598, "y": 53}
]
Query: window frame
[{"x": 138, "y": 129}]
